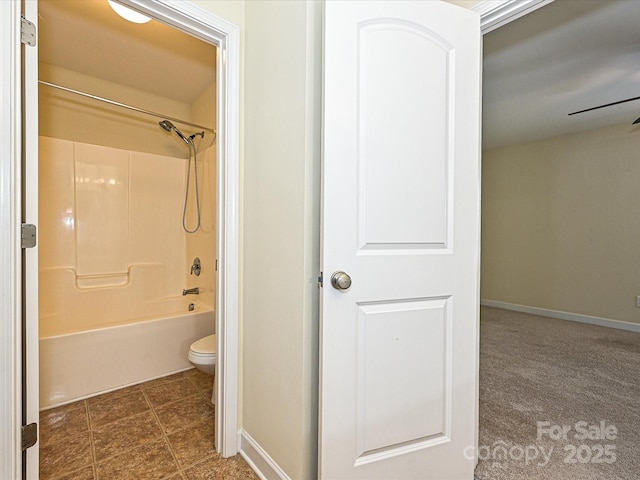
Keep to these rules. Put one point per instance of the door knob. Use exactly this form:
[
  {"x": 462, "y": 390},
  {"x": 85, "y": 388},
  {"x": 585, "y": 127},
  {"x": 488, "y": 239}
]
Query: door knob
[{"x": 340, "y": 280}]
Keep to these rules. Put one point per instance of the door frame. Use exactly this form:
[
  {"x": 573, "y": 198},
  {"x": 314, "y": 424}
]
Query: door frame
[
  {"x": 496, "y": 13},
  {"x": 10, "y": 252},
  {"x": 212, "y": 29}
]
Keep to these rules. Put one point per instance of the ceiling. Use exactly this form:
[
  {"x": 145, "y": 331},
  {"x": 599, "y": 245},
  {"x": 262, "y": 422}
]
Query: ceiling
[
  {"x": 567, "y": 56},
  {"x": 88, "y": 37}
]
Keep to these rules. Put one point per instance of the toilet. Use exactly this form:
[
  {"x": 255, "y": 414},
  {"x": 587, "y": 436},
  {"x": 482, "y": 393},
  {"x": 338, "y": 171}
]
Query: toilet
[{"x": 202, "y": 354}]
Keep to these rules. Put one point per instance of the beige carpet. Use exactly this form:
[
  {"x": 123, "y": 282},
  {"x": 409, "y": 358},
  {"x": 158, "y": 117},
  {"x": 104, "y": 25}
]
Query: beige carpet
[{"x": 536, "y": 369}]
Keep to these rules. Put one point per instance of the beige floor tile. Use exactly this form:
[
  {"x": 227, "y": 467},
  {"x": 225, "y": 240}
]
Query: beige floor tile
[
  {"x": 125, "y": 434},
  {"x": 114, "y": 394},
  {"x": 82, "y": 474},
  {"x": 59, "y": 458},
  {"x": 218, "y": 468},
  {"x": 176, "y": 416},
  {"x": 59, "y": 423},
  {"x": 111, "y": 409},
  {"x": 201, "y": 380},
  {"x": 168, "y": 392},
  {"x": 138, "y": 433},
  {"x": 177, "y": 476},
  {"x": 161, "y": 380},
  {"x": 193, "y": 443},
  {"x": 149, "y": 462}
]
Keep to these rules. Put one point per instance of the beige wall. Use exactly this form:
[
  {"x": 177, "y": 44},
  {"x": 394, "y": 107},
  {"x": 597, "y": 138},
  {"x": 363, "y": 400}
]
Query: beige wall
[
  {"x": 560, "y": 224},
  {"x": 280, "y": 226},
  {"x": 280, "y": 220},
  {"x": 72, "y": 117}
]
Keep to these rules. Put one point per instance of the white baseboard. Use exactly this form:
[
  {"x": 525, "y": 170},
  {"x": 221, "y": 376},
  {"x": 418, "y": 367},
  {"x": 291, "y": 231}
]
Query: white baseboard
[
  {"x": 574, "y": 317},
  {"x": 264, "y": 466}
]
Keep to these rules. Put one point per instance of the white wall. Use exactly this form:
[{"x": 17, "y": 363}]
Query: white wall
[{"x": 560, "y": 224}]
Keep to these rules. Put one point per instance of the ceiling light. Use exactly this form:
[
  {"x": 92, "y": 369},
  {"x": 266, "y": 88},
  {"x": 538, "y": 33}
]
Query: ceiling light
[{"x": 128, "y": 14}]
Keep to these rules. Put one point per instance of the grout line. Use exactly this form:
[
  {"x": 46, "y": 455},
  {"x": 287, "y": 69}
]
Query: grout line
[
  {"x": 198, "y": 461},
  {"x": 150, "y": 410},
  {"x": 144, "y": 444},
  {"x": 173, "y": 402},
  {"x": 91, "y": 443},
  {"x": 163, "y": 433},
  {"x": 181, "y": 468},
  {"x": 206, "y": 392},
  {"x": 192, "y": 382},
  {"x": 95, "y": 427},
  {"x": 63, "y": 474},
  {"x": 69, "y": 472}
]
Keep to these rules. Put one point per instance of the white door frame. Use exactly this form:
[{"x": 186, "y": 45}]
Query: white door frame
[
  {"x": 10, "y": 254},
  {"x": 226, "y": 36},
  {"x": 496, "y": 13}
]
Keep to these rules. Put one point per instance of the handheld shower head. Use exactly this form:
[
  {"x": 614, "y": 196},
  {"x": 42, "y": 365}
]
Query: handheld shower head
[{"x": 167, "y": 126}]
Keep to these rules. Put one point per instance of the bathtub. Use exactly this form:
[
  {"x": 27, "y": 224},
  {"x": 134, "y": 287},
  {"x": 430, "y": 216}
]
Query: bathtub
[{"x": 82, "y": 364}]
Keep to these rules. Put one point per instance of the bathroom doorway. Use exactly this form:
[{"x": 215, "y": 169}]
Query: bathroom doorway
[
  {"x": 131, "y": 169},
  {"x": 127, "y": 209}
]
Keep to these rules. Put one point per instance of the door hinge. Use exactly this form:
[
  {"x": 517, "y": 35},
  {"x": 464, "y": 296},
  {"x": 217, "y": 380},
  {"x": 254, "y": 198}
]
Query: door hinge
[
  {"x": 29, "y": 435},
  {"x": 27, "y": 32},
  {"x": 28, "y": 235},
  {"x": 320, "y": 280}
]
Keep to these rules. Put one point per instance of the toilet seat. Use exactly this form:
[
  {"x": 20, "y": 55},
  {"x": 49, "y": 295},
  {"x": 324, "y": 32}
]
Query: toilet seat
[
  {"x": 205, "y": 347},
  {"x": 202, "y": 354}
]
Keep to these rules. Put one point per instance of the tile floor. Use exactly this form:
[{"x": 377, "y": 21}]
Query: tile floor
[{"x": 162, "y": 429}]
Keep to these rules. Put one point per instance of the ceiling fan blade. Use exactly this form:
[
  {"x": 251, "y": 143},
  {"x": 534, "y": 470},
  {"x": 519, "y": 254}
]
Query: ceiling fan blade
[
  {"x": 606, "y": 105},
  {"x": 636, "y": 122}
]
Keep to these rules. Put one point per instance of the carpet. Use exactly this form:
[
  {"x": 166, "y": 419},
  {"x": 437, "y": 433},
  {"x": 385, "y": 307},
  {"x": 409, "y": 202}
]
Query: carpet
[{"x": 559, "y": 400}]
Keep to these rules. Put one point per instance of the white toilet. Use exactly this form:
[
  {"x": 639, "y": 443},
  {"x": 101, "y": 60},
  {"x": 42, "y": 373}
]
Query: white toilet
[{"x": 202, "y": 354}]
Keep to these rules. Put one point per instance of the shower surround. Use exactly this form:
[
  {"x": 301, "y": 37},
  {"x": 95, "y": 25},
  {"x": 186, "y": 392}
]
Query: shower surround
[{"x": 113, "y": 262}]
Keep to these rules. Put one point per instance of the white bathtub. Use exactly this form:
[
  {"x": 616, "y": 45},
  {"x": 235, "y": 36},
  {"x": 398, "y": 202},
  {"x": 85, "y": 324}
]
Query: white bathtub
[{"x": 82, "y": 364}]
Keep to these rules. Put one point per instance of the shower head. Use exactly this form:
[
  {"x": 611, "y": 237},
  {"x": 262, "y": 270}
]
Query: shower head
[{"x": 167, "y": 126}]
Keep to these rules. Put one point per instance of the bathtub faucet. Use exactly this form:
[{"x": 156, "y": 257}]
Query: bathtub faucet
[{"x": 191, "y": 291}]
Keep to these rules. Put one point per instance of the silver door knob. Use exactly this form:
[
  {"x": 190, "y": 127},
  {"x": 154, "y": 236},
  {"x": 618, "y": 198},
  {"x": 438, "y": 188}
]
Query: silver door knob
[{"x": 340, "y": 280}]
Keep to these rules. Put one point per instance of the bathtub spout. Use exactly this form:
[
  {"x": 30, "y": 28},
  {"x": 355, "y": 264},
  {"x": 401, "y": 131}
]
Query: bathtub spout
[{"x": 191, "y": 291}]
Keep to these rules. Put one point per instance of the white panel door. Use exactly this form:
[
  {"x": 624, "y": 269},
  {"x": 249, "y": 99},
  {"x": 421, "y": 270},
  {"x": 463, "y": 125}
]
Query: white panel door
[{"x": 401, "y": 198}]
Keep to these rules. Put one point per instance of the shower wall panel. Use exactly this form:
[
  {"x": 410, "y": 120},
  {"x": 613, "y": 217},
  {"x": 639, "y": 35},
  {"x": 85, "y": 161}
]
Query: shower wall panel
[
  {"x": 110, "y": 234},
  {"x": 57, "y": 245},
  {"x": 202, "y": 244},
  {"x": 101, "y": 213}
]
